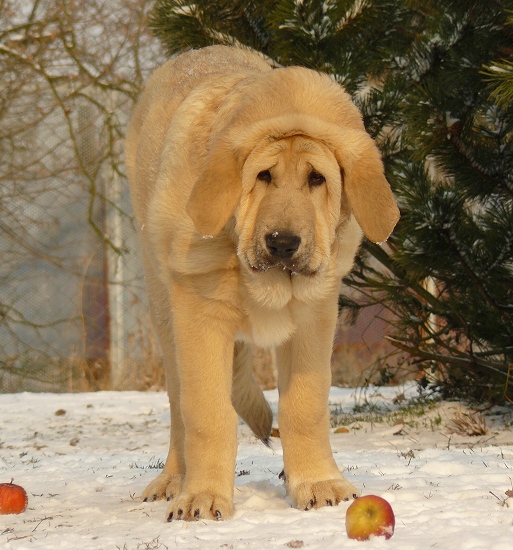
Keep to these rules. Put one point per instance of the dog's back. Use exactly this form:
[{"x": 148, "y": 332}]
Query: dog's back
[{"x": 166, "y": 89}]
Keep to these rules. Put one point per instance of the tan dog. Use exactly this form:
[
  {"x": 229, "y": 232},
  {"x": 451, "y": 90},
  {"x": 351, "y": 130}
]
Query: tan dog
[{"x": 250, "y": 186}]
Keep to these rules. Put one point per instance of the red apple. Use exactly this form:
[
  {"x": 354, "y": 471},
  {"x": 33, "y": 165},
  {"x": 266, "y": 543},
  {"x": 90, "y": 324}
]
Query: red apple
[
  {"x": 370, "y": 516},
  {"x": 13, "y": 498}
]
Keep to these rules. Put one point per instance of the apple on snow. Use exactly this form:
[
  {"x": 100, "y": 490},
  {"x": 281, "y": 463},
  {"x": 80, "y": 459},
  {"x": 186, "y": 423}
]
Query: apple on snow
[
  {"x": 13, "y": 498},
  {"x": 370, "y": 516}
]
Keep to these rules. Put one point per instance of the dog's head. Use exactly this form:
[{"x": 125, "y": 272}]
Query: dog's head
[{"x": 291, "y": 165}]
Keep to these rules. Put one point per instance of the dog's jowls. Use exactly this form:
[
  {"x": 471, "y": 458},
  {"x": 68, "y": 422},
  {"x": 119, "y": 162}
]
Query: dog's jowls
[{"x": 251, "y": 188}]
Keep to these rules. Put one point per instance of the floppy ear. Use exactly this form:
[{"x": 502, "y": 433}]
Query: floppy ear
[
  {"x": 217, "y": 192},
  {"x": 366, "y": 187}
]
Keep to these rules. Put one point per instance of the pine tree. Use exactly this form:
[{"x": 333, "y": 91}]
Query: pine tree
[
  {"x": 500, "y": 74},
  {"x": 420, "y": 72},
  {"x": 327, "y": 36},
  {"x": 450, "y": 160}
]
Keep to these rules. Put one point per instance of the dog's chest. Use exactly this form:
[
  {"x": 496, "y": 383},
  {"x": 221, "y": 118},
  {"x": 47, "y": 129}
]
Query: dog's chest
[{"x": 266, "y": 328}]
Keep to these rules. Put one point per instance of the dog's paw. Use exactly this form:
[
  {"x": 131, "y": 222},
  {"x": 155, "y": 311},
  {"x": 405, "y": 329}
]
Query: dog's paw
[
  {"x": 163, "y": 486},
  {"x": 199, "y": 506},
  {"x": 307, "y": 495}
]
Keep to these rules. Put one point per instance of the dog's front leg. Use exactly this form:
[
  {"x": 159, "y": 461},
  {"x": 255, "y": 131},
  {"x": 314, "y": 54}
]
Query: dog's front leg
[
  {"x": 311, "y": 474},
  {"x": 203, "y": 331}
]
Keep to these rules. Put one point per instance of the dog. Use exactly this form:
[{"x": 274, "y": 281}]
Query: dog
[{"x": 251, "y": 187}]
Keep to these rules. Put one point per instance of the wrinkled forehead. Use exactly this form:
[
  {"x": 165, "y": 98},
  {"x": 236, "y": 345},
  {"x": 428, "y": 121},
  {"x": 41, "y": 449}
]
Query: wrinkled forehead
[{"x": 296, "y": 150}]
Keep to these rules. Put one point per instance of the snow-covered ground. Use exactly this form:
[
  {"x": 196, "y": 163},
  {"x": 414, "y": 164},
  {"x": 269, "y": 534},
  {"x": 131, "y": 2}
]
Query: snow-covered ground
[{"x": 85, "y": 458}]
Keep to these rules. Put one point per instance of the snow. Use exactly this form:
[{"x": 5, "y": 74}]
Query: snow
[{"x": 85, "y": 458}]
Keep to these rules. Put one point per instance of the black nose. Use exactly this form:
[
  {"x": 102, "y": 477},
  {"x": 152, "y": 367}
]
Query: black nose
[{"x": 282, "y": 244}]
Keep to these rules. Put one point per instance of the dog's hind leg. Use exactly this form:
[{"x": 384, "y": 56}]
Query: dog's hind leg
[{"x": 247, "y": 396}]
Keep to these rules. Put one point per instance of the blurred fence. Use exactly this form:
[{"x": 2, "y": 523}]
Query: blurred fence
[
  {"x": 71, "y": 292},
  {"x": 72, "y": 305}
]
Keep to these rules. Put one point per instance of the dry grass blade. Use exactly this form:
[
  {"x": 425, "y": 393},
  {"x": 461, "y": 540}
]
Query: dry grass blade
[{"x": 468, "y": 424}]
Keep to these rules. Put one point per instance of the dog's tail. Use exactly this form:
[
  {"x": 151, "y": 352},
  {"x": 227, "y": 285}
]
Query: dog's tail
[{"x": 247, "y": 396}]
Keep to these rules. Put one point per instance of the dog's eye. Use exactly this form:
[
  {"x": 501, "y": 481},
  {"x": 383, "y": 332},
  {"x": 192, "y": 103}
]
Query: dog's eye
[
  {"x": 315, "y": 179},
  {"x": 264, "y": 175}
]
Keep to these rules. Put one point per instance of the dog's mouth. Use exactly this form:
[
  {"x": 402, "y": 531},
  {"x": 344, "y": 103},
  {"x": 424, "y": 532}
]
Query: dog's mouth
[
  {"x": 266, "y": 263},
  {"x": 280, "y": 250}
]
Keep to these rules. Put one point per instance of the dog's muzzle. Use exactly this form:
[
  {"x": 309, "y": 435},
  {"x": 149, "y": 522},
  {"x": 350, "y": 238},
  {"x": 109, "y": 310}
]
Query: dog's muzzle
[{"x": 281, "y": 250}]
